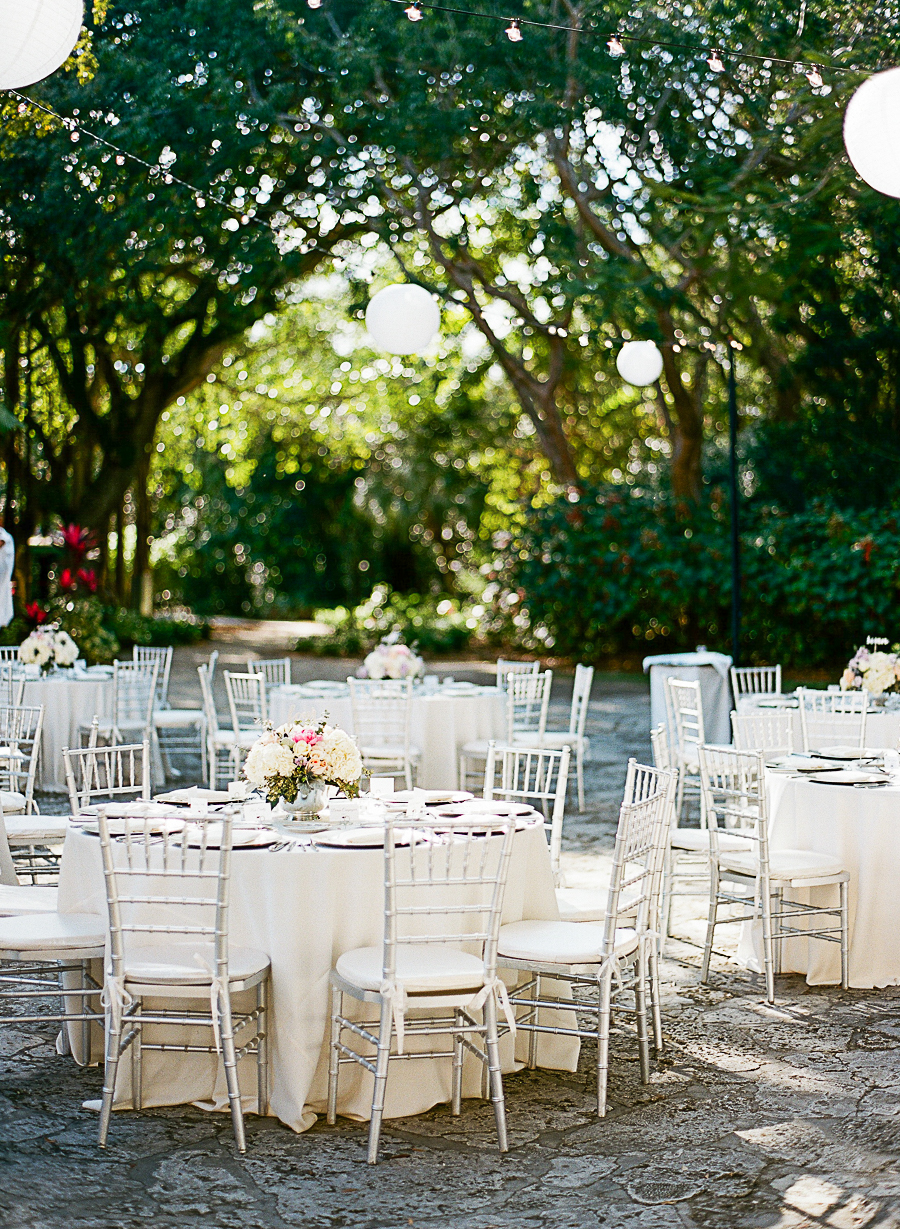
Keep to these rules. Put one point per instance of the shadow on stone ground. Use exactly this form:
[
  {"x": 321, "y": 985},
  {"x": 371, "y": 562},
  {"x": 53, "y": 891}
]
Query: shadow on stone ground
[{"x": 756, "y": 1116}]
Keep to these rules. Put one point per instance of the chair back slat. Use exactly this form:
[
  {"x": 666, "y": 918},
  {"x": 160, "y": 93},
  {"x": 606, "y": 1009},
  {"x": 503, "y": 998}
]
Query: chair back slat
[
  {"x": 659, "y": 742},
  {"x": 121, "y": 771},
  {"x": 444, "y": 884},
  {"x": 246, "y": 700},
  {"x": 832, "y": 718},
  {"x": 772, "y": 732},
  {"x": 734, "y": 797},
  {"x": 527, "y": 703},
  {"x": 20, "y": 733},
  {"x": 506, "y": 667},
  {"x": 275, "y": 670},
  {"x": 532, "y": 775},
  {"x": 749, "y": 683},
  {"x": 143, "y": 654},
  {"x": 134, "y": 693},
  {"x": 382, "y": 711},
  {"x": 12, "y": 682},
  {"x": 639, "y": 855},
  {"x": 687, "y": 715},
  {"x": 209, "y": 706}
]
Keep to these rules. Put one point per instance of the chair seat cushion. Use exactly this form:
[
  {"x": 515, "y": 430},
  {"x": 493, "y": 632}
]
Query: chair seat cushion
[
  {"x": 561, "y": 942},
  {"x": 43, "y": 931},
  {"x": 421, "y": 969},
  {"x": 226, "y": 738},
  {"x": 189, "y": 964},
  {"x": 785, "y": 864},
  {"x": 35, "y": 829},
  {"x": 17, "y": 901},
  {"x": 175, "y": 718},
  {"x": 696, "y": 840},
  {"x": 12, "y": 802}
]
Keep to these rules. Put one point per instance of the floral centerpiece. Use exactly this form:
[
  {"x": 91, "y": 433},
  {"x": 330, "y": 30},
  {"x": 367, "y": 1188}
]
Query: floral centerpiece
[
  {"x": 295, "y": 762},
  {"x": 875, "y": 672},
  {"x": 48, "y": 647},
  {"x": 392, "y": 660}
]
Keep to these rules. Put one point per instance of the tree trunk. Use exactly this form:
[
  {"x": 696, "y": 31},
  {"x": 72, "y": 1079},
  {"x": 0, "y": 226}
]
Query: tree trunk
[
  {"x": 121, "y": 595},
  {"x": 141, "y": 567}
]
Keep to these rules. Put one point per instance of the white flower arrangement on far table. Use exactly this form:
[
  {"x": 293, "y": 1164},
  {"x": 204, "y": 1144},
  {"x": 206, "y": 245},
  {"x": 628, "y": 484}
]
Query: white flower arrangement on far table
[
  {"x": 47, "y": 647},
  {"x": 392, "y": 660},
  {"x": 296, "y": 757},
  {"x": 875, "y": 672}
]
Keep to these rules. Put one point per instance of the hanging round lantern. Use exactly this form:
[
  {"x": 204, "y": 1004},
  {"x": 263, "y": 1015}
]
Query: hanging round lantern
[
  {"x": 36, "y": 37},
  {"x": 872, "y": 131},
  {"x": 640, "y": 363},
  {"x": 402, "y": 319}
]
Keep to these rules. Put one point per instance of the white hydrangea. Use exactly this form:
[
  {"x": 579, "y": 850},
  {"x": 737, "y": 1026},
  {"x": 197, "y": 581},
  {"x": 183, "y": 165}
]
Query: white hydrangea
[
  {"x": 37, "y": 650},
  {"x": 65, "y": 650},
  {"x": 268, "y": 758},
  {"x": 393, "y": 661},
  {"x": 337, "y": 756},
  {"x": 880, "y": 673}
]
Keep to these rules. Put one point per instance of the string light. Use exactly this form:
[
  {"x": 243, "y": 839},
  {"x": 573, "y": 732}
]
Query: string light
[
  {"x": 814, "y": 77},
  {"x": 616, "y": 42},
  {"x": 314, "y": 4},
  {"x": 514, "y": 32}
]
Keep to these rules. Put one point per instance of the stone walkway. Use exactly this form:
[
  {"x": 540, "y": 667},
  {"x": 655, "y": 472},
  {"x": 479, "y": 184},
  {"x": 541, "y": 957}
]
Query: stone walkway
[{"x": 755, "y": 1116}]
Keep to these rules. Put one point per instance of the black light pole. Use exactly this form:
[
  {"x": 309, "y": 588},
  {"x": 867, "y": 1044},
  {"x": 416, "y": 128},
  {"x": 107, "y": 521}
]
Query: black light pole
[{"x": 735, "y": 527}]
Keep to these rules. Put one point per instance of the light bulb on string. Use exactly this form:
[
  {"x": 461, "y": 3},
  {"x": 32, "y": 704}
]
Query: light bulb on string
[
  {"x": 314, "y": 4},
  {"x": 414, "y": 12},
  {"x": 614, "y": 45},
  {"x": 514, "y": 31},
  {"x": 814, "y": 77},
  {"x": 715, "y": 62}
]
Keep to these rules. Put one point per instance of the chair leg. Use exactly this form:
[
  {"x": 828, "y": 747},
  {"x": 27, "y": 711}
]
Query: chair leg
[
  {"x": 667, "y": 894},
  {"x": 603, "y": 1024},
  {"x": 110, "y": 1068},
  {"x": 640, "y": 1003},
  {"x": 262, "y": 1051},
  {"x": 845, "y": 937},
  {"x": 533, "y": 1036},
  {"x": 407, "y": 773},
  {"x": 334, "y": 1056},
  {"x": 496, "y": 1078},
  {"x": 137, "y": 1065},
  {"x": 229, "y": 1060},
  {"x": 382, "y": 1058},
  {"x": 579, "y": 769},
  {"x": 456, "y": 1089},
  {"x": 711, "y": 921},
  {"x": 85, "y": 1024},
  {"x": 659, "y": 1041},
  {"x": 770, "y": 943}
]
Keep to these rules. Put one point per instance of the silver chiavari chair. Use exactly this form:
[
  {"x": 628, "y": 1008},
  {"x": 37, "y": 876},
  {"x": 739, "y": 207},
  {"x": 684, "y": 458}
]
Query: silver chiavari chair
[
  {"x": 592, "y": 956},
  {"x": 382, "y": 712},
  {"x": 527, "y": 705},
  {"x": 443, "y": 885},
  {"x": 506, "y": 666},
  {"x": 756, "y": 878},
  {"x": 167, "y": 888},
  {"x": 12, "y": 682},
  {"x": 772, "y": 732},
  {"x": 749, "y": 684},
  {"x": 832, "y": 718},
  {"x": 275, "y": 670},
  {"x": 537, "y": 777}
]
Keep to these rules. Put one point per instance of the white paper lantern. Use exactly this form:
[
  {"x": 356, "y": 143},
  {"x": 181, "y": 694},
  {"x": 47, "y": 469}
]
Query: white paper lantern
[
  {"x": 402, "y": 319},
  {"x": 640, "y": 363},
  {"x": 872, "y": 131},
  {"x": 36, "y": 37}
]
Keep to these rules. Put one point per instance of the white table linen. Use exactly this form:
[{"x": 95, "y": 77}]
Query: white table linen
[
  {"x": 70, "y": 700},
  {"x": 305, "y": 908},
  {"x": 711, "y": 671},
  {"x": 861, "y": 827},
  {"x": 442, "y": 721}
]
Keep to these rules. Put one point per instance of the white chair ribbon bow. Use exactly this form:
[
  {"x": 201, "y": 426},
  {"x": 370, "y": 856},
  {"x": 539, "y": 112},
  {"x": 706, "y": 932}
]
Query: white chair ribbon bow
[
  {"x": 495, "y": 985},
  {"x": 116, "y": 998},
  {"x": 218, "y": 989},
  {"x": 395, "y": 993}
]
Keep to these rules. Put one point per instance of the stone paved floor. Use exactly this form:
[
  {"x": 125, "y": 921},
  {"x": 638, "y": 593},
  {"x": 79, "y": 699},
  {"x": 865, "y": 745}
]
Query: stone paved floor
[{"x": 755, "y": 1116}]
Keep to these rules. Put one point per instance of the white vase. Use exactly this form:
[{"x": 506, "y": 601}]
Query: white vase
[{"x": 310, "y": 800}]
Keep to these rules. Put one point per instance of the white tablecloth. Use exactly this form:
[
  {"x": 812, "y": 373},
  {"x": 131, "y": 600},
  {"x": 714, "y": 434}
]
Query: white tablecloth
[
  {"x": 304, "y": 909},
  {"x": 69, "y": 703},
  {"x": 711, "y": 671},
  {"x": 441, "y": 723},
  {"x": 862, "y": 828}
]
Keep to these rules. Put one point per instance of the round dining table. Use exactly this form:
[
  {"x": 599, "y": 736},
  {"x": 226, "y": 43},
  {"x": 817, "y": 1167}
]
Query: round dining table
[
  {"x": 442, "y": 720},
  {"x": 860, "y": 825},
  {"x": 305, "y": 906},
  {"x": 71, "y": 699}
]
